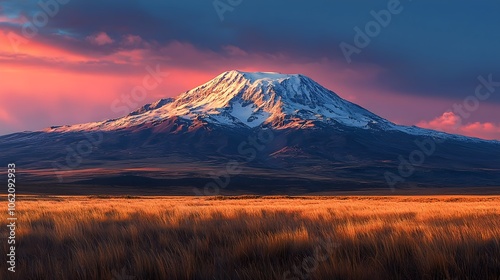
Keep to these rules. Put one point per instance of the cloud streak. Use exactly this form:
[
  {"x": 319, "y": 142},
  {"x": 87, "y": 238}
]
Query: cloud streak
[{"x": 452, "y": 123}]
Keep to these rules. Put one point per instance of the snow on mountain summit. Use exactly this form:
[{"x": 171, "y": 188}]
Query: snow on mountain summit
[
  {"x": 253, "y": 76},
  {"x": 255, "y": 98}
]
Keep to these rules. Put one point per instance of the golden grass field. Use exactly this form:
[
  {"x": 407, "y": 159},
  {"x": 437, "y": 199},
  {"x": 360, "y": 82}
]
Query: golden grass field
[{"x": 365, "y": 237}]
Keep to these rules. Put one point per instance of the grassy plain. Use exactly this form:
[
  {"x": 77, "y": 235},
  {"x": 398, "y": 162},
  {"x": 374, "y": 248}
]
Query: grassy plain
[{"x": 251, "y": 237}]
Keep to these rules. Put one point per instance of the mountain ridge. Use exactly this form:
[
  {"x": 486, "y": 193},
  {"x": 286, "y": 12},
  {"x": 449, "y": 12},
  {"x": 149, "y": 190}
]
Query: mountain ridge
[{"x": 258, "y": 99}]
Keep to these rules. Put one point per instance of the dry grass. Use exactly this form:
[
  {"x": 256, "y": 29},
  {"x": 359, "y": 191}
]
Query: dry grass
[{"x": 258, "y": 238}]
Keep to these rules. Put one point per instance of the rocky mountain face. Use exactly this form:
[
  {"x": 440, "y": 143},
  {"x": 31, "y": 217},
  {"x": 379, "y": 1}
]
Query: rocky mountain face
[{"x": 281, "y": 133}]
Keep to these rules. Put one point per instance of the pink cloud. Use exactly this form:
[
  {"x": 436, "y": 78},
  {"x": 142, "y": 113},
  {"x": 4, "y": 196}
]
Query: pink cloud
[
  {"x": 100, "y": 39},
  {"x": 6, "y": 117},
  {"x": 232, "y": 50},
  {"x": 18, "y": 20},
  {"x": 131, "y": 40},
  {"x": 452, "y": 123}
]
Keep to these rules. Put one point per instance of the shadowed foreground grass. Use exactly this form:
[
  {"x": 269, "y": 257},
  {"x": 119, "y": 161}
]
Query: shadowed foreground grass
[{"x": 448, "y": 237}]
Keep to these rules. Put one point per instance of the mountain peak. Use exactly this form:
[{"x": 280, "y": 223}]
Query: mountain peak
[
  {"x": 256, "y": 76},
  {"x": 251, "y": 99},
  {"x": 256, "y": 98}
]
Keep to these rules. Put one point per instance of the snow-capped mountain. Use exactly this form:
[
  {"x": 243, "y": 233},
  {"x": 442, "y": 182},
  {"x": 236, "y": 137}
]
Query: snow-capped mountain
[
  {"x": 250, "y": 99},
  {"x": 318, "y": 139},
  {"x": 257, "y": 99},
  {"x": 278, "y": 100}
]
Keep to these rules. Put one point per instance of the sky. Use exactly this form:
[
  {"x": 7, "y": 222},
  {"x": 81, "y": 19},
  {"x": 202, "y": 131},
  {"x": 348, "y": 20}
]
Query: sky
[{"x": 426, "y": 63}]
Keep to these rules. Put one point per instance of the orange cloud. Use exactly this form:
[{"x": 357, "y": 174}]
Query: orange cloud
[
  {"x": 45, "y": 84},
  {"x": 452, "y": 123},
  {"x": 17, "y": 47}
]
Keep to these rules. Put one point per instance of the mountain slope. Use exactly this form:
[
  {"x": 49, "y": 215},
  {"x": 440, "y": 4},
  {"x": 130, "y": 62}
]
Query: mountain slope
[
  {"x": 285, "y": 131},
  {"x": 262, "y": 99},
  {"x": 250, "y": 99}
]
